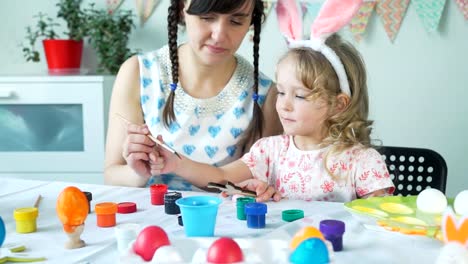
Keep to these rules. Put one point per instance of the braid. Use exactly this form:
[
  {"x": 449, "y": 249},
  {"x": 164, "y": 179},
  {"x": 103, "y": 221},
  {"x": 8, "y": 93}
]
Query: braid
[
  {"x": 172, "y": 21},
  {"x": 255, "y": 128},
  {"x": 257, "y": 111}
]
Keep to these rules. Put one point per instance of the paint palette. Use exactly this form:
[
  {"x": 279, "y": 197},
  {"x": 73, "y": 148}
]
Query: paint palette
[{"x": 396, "y": 213}]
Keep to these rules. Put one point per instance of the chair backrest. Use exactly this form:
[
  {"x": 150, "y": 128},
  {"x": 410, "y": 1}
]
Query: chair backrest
[{"x": 414, "y": 169}]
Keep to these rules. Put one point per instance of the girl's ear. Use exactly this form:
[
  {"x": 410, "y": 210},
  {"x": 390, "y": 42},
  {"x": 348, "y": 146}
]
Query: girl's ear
[{"x": 342, "y": 102}]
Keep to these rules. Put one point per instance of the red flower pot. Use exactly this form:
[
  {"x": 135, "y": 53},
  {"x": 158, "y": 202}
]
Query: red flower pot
[{"x": 63, "y": 53}]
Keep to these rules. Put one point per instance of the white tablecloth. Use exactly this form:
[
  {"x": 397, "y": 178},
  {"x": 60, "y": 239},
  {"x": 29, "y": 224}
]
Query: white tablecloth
[{"x": 361, "y": 245}]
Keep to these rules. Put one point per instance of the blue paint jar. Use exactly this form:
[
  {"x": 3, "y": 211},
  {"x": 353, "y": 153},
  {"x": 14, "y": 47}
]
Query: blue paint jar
[{"x": 255, "y": 213}]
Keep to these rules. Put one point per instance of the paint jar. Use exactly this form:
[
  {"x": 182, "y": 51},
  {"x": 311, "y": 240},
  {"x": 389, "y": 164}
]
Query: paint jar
[
  {"x": 292, "y": 215},
  {"x": 26, "y": 219},
  {"x": 126, "y": 208},
  {"x": 125, "y": 234},
  {"x": 199, "y": 215},
  {"x": 240, "y": 204},
  {"x": 333, "y": 231},
  {"x": 89, "y": 197},
  {"x": 170, "y": 207},
  {"x": 105, "y": 213},
  {"x": 157, "y": 192},
  {"x": 255, "y": 213}
]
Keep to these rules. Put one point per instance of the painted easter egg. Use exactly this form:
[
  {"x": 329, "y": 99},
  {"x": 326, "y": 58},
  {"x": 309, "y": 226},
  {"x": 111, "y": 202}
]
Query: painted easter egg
[
  {"x": 72, "y": 208},
  {"x": 167, "y": 255},
  {"x": 2, "y": 231},
  {"x": 305, "y": 233},
  {"x": 460, "y": 204},
  {"x": 311, "y": 250},
  {"x": 149, "y": 240},
  {"x": 224, "y": 250},
  {"x": 431, "y": 201}
]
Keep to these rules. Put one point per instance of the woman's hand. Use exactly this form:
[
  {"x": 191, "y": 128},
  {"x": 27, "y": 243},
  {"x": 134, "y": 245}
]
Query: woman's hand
[
  {"x": 264, "y": 191},
  {"x": 138, "y": 150}
]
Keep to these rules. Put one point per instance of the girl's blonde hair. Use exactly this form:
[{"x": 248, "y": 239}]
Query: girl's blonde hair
[{"x": 350, "y": 126}]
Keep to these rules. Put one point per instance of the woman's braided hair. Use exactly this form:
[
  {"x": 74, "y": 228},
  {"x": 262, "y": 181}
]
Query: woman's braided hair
[{"x": 199, "y": 7}]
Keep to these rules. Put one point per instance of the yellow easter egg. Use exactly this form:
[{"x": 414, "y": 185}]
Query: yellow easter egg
[{"x": 303, "y": 234}]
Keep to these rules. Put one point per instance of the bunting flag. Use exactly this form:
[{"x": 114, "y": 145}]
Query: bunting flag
[
  {"x": 145, "y": 9},
  {"x": 392, "y": 13},
  {"x": 463, "y": 5},
  {"x": 359, "y": 22},
  {"x": 430, "y": 12},
  {"x": 113, "y": 5}
]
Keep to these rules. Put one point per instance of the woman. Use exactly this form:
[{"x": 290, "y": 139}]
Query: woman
[{"x": 208, "y": 103}]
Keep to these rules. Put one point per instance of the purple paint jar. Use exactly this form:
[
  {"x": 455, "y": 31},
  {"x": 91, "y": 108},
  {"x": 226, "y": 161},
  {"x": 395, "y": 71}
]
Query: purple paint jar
[{"x": 333, "y": 231}]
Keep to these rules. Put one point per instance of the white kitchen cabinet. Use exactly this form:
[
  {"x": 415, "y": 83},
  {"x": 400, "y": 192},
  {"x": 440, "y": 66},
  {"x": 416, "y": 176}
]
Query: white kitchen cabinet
[{"x": 54, "y": 127}]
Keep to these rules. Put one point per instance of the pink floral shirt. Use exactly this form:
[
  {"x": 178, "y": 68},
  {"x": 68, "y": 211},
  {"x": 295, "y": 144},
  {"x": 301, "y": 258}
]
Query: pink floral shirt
[{"x": 301, "y": 174}]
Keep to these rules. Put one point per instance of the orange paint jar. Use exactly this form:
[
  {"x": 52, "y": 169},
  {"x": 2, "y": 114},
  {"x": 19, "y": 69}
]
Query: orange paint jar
[{"x": 105, "y": 213}]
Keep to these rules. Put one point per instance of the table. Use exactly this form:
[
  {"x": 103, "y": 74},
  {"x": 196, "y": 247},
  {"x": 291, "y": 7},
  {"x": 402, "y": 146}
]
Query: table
[{"x": 360, "y": 243}]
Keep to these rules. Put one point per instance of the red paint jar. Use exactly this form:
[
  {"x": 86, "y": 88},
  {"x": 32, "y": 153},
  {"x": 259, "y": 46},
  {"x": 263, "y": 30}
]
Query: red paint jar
[{"x": 157, "y": 192}]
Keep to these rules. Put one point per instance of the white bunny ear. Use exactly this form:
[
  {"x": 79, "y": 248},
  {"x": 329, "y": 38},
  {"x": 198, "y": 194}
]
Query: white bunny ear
[
  {"x": 333, "y": 16},
  {"x": 289, "y": 15}
]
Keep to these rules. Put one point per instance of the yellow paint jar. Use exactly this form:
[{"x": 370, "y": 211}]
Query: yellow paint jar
[{"x": 26, "y": 219}]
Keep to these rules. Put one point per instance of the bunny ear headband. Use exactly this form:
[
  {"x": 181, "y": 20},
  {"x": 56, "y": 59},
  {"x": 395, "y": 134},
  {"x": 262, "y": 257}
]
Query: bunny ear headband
[{"x": 333, "y": 16}]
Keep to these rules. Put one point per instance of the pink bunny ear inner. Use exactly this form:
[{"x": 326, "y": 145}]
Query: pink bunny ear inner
[
  {"x": 333, "y": 16},
  {"x": 289, "y": 18}
]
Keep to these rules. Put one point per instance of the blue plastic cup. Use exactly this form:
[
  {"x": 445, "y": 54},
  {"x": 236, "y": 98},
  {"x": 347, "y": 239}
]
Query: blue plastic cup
[{"x": 199, "y": 215}]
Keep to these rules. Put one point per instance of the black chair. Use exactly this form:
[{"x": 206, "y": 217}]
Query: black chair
[{"x": 414, "y": 169}]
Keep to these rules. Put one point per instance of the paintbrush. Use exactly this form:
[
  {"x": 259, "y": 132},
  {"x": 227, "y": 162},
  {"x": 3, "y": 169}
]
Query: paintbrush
[
  {"x": 230, "y": 189},
  {"x": 157, "y": 141},
  {"x": 38, "y": 201}
]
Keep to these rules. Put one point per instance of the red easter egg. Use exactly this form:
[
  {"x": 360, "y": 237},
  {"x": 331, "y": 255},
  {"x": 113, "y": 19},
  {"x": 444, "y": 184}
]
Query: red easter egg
[
  {"x": 224, "y": 250},
  {"x": 149, "y": 240}
]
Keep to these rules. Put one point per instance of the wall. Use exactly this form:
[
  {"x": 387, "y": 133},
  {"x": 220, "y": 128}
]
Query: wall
[{"x": 418, "y": 84}]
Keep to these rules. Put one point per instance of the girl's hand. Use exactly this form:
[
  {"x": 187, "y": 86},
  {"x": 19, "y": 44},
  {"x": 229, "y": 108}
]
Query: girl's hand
[
  {"x": 138, "y": 149},
  {"x": 165, "y": 161},
  {"x": 264, "y": 191}
]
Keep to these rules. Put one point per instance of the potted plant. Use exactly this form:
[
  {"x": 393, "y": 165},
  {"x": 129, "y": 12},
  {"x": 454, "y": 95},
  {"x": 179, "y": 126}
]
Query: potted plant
[
  {"x": 107, "y": 32},
  {"x": 108, "y": 35},
  {"x": 60, "y": 53}
]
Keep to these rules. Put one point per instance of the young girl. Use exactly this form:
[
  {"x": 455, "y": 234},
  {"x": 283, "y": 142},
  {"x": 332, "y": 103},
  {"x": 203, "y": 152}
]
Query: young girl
[
  {"x": 325, "y": 152},
  {"x": 203, "y": 98}
]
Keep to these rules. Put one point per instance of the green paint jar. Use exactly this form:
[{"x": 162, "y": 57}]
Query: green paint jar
[{"x": 240, "y": 203}]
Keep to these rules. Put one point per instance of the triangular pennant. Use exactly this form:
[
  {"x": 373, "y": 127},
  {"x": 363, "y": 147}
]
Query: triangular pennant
[
  {"x": 145, "y": 9},
  {"x": 392, "y": 12},
  {"x": 430, "y": 12},
  {"x": 113, "y": 5},
  {"x": 463, "y": 5},
  {"x": 359, "y": 22},
  {"x": 310, "y": 11}
]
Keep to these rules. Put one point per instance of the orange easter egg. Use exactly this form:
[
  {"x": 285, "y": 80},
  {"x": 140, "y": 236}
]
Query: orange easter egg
[
  {"x": 303, "y": 234},
  {"x": 72, "y": 208}
]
